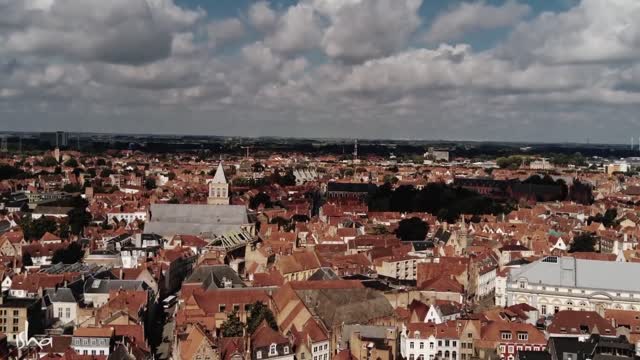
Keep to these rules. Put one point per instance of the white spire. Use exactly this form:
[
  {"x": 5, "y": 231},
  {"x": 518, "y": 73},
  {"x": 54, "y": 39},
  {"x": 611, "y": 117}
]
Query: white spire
[{"x": 219, "y": 177}]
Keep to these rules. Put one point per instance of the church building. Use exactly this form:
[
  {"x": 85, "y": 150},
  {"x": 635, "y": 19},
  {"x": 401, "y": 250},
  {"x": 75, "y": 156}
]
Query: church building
[{"x": 218, "y": 188}]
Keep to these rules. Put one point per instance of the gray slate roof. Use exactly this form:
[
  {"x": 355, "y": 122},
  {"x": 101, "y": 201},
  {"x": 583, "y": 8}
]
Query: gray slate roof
[
  {"x": 195, "y": 219},
  {"x": 61, "y": 295},
  {"x": 212, "y": 276},
  {"x": 103, "y": 286},
  {"x": 590, "y": 274}
]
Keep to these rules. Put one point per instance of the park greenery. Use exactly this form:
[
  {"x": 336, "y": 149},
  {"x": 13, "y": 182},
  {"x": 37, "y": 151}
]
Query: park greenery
[{"x": 441, "y": 200}]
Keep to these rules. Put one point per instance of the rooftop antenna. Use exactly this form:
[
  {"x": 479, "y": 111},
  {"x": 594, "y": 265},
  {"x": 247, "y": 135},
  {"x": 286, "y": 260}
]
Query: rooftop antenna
[
  {"x": 632, "y": 143},
  {"x": 3, "y": 147},
  {"x": 246, "y": 148},
  {"x": 78, "y": 141},
  {"x": 20, "y": 144},
  {"x": 355, "y": 150}
]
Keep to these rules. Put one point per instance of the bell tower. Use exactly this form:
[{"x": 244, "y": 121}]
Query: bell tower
[{"x": 218, "y": 188}]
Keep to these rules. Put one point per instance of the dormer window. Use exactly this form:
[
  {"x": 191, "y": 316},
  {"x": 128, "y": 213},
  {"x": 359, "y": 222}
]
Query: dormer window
[
  {"x": 505, "y": 335},
  {"x": 272, "y": 350}
]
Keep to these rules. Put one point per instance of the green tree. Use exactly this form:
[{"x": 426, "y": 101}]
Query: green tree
[
  {"x": 105, "y": 173},
  {"x": 150, "y": 184},
  {"x": 412, "y": 229},
  {"x": 583, "y": 243},
  {"x": 64, "y": 231},
  {"x": 71, "y": 255},
  {"x": 512, "y": 162},
  {"x": 260, "y": 198},
  {"x": 232, "y": 327},
  {"x": 9, "y": 172},
  {"x": 260, "y": 312},
  {"x": 48, "y": 161},
  {"x": 72, "y": 188},
  {"x": 26, "y": 260},
  {"x": 34, "y": 229},
  {"x": 71, "y": 163},
  {"x": 79, "y": 218}
]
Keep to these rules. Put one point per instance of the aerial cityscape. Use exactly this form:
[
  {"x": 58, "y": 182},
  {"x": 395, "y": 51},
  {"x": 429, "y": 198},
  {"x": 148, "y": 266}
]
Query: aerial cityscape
[{"x": 319, "y": 180}]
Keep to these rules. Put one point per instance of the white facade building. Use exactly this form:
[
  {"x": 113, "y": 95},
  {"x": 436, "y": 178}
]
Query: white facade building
[
  {"x": 127, "y": 216},
  {"x": 427, "y": 342},
  {"x": 566, "y": 283},
  {"x": 321, "y": 350},
  {"x": 486, "y": 282}
]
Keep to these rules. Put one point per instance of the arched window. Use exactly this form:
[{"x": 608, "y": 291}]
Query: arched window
[
  {"x": 453, "y": 355},
  {"x": 446, "y": 354}
]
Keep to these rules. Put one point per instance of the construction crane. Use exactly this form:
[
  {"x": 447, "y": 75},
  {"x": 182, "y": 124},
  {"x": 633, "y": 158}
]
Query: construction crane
[{"x": 247, "y": 148}]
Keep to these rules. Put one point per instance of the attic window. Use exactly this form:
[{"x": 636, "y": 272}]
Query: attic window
[{"x": 505, "y": 335}]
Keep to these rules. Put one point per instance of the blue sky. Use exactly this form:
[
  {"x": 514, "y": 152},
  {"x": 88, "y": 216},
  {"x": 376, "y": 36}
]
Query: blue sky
[
  {"x": 221, "y": 9},
  {"x": 552, "y": 70}
]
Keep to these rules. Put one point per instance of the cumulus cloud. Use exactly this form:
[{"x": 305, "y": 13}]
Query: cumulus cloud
[
  {"x": 261, "y": 16},
  {"x": 298, "y": 29},
  {"x": 362, "y": 30},
  {"x": 115, "y": 31},
  {"x": 320, "y": 67},
  {"x": 468, "y": 17},
  {"x": 594, "y": 31},
  {"x": 225, "y": 31},
  {"x": 455, "y": 67}
]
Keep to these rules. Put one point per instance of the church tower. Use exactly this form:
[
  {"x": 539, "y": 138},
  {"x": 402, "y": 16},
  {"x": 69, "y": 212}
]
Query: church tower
[
  {"x": 463, "y": 235},
  {"x": 218, "y": 188}
]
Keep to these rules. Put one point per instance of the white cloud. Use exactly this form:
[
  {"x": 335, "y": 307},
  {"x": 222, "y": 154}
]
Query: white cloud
[
  {"x": 594, "y": 31},
  {"x": 261, "y": 16},
  {"x": 115, "y": 31},
  {"x": 225, "y": 31},
  {"x": 362, "y": 30},
  {"x": 297, "y": 29},
  {"x": 467, "y": 17},
  {"x": 320, "y": 67}
]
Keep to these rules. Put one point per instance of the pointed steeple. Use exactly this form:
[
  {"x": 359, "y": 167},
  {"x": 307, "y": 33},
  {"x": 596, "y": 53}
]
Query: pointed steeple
[
  {"x": 219, "y": 177},
  {"x": 218, "y": 188}
]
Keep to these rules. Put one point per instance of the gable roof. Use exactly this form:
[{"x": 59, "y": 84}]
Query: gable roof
[{"x": 264, "y": 336}]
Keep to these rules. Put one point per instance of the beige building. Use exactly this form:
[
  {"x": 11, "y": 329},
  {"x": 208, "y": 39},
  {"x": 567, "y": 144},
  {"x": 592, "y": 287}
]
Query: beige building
[
  {"x": 19, "y": 315},
  {"x": 398, "y": 267}
]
